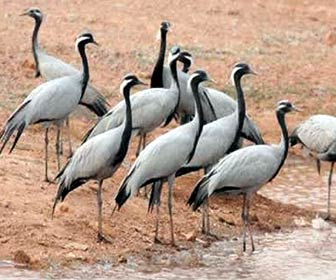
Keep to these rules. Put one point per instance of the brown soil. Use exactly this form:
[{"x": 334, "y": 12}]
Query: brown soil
[{"x": 290, "y": 44}]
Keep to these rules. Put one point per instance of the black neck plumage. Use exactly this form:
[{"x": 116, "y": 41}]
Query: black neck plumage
[
  {"x": 199, "y": 116},
  {"x": 127, "y": 132},
  {"x": 173, "y": 70},
  {"x": 283, "y": 142},
  {"x": 241, "y": 109},
  {"x": 35, "y": 47},
  {"x": 157, "y": 75},
  {"x": 85, "y": 67}
]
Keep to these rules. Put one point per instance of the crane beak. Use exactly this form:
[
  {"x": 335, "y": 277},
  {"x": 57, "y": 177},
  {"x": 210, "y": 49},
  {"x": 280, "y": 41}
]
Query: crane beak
[
  {"x": 297, "y": 109},
  {"x": 25, "y": 13},
  {"x": 253, "y": 72},
  {"x": 142, "y": 83},
  {"x": 212, "y": 81},
  {"x": 94, "y": 42}
]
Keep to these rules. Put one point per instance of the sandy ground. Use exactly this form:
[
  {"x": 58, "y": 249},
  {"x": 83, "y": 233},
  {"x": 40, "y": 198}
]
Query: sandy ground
[{"x": 289, "y": 43}]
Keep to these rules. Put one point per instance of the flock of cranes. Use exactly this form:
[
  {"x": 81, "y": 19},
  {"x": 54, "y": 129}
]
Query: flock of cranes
[{"x": 209, "y": 137}]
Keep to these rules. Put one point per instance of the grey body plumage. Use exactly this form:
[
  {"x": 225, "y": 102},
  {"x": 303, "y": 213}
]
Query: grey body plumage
[
  {"x": 245, "y": 171},
  {"x": 99, "y": 157},
  {"x": 318, "y": 135},
  {"x": 50, "y": 102},
  {"x": 165, "y": 155}
]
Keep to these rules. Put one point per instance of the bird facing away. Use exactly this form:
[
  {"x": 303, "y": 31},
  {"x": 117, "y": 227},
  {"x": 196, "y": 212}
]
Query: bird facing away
[
  {"x": 50, "y": 102},
  {"x": 50, "y": 67},
  {"x": 99, "y": 157},
  {"x": 245, "y": 171},
  {"x": 318, "y": 135},
  {"x": 150, "y": 107},
  {"x": 165, "y": 155},
  {"x": 215, "y": 104}
]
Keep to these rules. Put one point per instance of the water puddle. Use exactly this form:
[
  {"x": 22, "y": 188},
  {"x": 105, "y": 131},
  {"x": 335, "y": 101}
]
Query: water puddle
[{"x": 305, "y": 253}]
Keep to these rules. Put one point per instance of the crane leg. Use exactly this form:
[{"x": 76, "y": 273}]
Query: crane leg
[
  {"x": 318, "y": 166},
  {"x": 144, "y": 141},
  {"x": 139, "y": 146},
  {"x": 67, "y": 123},
  {"x": 46, "y": 142},
  {"x": 171, "y": 179},
  {"x": 100, "y": 236},
  {"x": 157, "y": 222},
  {"x": 329, "y": 189},
  {"x": 244, "y": 222},
  {"x": 58, "y": 150},
  {"x": 155, "y": 199},
  {"x": 248, "y": 200}
]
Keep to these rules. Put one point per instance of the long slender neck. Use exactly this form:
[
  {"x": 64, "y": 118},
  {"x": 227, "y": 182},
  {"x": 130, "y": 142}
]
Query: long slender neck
[
  {"x": 283, "y": 145},
  {"x": 186, "y": 67},
  {"x": 85, "y": 67},
  {"x": 175, "y": 83},
  {"x": 127, "y": 132},
  {"x": 174, "y": 86},
  {"x": 157, "y": 75},
  {"x": 35, "y": 47},
  {"x": 199, "y": 117},
  {"x": 240, "y": 110},
  {"x": 284, "y": 133}
]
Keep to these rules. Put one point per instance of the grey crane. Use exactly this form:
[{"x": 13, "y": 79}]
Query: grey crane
[
  {"x": 165, "y": 155},
  {"x": 216, "y": 104},
  {"x": 50, "y": 67},
  {"x": 318, "y": 135},
  {"x": 245, "y": 171},
  {"x": 219, "y": 137},
  {"x": 50, "y": 102},
  {"x": 100, "y": 157},
  {"x": 150, "y": 107}
]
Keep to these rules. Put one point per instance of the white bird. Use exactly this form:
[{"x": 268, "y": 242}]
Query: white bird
[
  {"x": 50, "y": 67},
  {"x": 318, "y": 135},
  {"x": 100, "y": 157},
  {"x": 245, "y": 171},
  {"x": 165, "y": 155},
  {"x": 150, "y": 107},
  {"x": 50, "y": 102}
]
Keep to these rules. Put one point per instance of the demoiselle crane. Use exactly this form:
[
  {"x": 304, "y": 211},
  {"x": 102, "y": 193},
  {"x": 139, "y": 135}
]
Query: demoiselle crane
[{"x": 245, "y": 171}]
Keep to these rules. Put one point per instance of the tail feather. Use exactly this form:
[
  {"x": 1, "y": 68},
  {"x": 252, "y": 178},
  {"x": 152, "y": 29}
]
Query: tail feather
[
  {"x": 94, "y": 101},
  {"x": 15, "y": 122},
  {"x": 155, "y": 195},
  {"x": 18, "y": 134},
  {"x": 199, "y": 194},
  {"x": 123, "y": 193},
  {"x": 64, "y": 189}
]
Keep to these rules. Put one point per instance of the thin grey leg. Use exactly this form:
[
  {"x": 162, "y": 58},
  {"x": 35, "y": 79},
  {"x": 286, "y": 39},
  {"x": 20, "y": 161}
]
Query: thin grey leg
[
  {"x": 248, "y": 201},
  {"x": 144, "y": 141},
  {"x": 329, "y": 189},
  {"x": 67, "y": 123},
  {"x": 46, "y": 142},
  {"x": 100, "y": 236},
  {"x": 58, "y": 151},
  {"x": 157, "y": 222},
  {"x": 244, "y": 222},
  {"x": 171, "y": 179},
  {"x": 139, "y": 146}
]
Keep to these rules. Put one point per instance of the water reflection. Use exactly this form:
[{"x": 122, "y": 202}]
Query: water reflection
[{"x": 303, "y": 254}]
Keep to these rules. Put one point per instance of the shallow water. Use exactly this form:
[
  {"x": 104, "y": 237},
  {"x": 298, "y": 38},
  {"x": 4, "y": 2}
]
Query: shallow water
[{"x": 303, "y": 254}]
